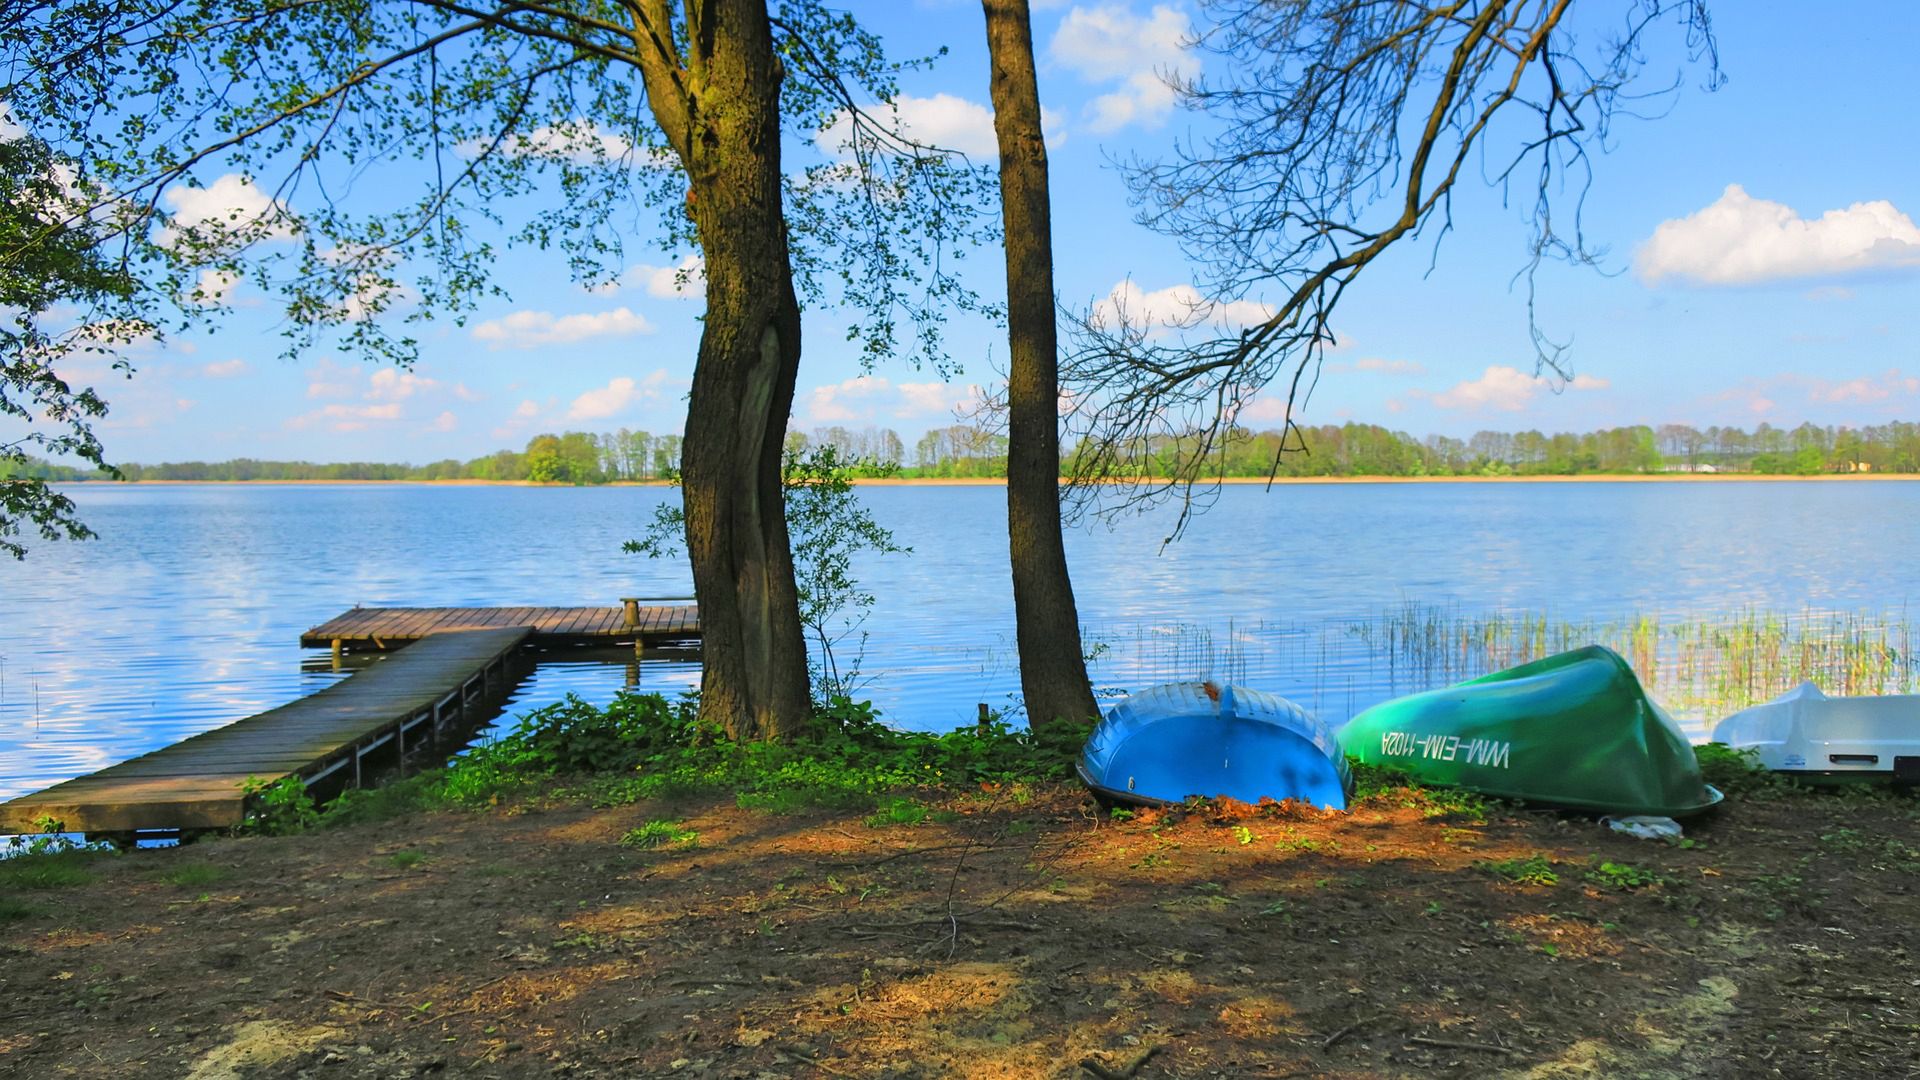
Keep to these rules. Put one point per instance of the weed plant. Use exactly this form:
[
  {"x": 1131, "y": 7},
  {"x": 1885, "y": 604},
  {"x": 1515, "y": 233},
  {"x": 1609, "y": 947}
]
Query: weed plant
[
  {"x": 658, "y": 834},
  {"x": 1535, "y": 869},
  {"x": 1626, "y": 876}
]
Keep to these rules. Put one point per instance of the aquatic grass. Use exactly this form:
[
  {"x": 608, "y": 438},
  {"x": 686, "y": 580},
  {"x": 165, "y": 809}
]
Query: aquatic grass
[{"x": 1702, "y": 665}]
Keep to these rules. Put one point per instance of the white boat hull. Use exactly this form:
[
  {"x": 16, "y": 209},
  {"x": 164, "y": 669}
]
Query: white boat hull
[{"x": 1804, "y": 731}]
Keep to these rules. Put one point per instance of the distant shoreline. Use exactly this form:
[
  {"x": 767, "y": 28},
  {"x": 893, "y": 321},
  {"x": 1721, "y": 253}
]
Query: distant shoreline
[{"x": 1235, "y": 481}]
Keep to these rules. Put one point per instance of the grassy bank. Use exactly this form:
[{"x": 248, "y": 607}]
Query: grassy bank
[{"x": 863, "y": 904}]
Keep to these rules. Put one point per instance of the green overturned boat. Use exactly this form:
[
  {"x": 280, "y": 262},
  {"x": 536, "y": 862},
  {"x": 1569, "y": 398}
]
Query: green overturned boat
[{"x": 1573, "y": 730}]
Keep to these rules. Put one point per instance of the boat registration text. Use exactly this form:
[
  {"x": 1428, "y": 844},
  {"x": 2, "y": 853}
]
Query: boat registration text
[{"x": 1492, "y": 753}]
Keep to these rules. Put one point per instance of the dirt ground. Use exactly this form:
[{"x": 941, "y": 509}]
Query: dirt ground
[{"x": 1014, "y": 934}]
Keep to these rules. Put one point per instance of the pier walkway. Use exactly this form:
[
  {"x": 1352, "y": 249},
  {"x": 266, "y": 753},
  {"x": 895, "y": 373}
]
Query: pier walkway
[
  {"x": 196, "y": 784},
  {"x": 379, "y": 628}
]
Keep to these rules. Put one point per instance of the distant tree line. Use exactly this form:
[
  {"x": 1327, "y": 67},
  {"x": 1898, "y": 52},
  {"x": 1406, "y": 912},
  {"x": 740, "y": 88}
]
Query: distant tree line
[
  {"x": 960, "y": 451},
  {"x": 575, "y": 457}
]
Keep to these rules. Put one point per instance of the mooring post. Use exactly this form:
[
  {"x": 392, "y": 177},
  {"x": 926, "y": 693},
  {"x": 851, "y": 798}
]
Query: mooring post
[
  {"x": 336, "y": 654},
  {"x": 986, "y": 719},
  {"x": 631, "y": 607}
]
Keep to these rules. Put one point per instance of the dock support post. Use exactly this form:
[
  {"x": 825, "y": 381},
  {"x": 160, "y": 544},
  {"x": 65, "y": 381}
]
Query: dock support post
[
  {"x": 631, "y": 608},
  {"x": 336, "y": 654}
]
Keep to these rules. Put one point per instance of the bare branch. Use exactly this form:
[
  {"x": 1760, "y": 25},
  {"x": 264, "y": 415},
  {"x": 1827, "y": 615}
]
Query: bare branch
[{"x": 1288, "y": 193}]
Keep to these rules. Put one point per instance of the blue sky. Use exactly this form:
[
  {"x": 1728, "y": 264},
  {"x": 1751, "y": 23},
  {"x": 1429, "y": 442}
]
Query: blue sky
[{"x": 1764, "y": 264}]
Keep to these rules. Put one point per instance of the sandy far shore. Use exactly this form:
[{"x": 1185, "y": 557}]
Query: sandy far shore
[
  {"x": 1235, "y": 481},
  {"x": 1590, "y": 478}
]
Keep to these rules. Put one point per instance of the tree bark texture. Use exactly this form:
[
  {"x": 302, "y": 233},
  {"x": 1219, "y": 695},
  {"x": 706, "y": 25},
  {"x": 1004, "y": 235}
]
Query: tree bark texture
[
  {"x": 721, "y": 113},
  {"x": 1053, "y": 669}
]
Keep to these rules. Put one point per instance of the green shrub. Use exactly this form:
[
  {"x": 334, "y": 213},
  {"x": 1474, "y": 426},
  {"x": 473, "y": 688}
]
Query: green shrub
[
  {"x": 897, "y": 812},
  {"x": 1536, "y": 869},
  {"x": 1624, "y": 876},
  {"x": 1390, "y": 786},
  {"x": 644, "y": 746},
  {"x": 658, "y": 834},
  {"x": 1738, "y": 772},
  {"x": 278, "y": 808}
]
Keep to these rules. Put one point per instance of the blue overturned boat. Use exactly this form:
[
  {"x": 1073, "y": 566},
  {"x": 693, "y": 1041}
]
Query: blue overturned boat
[{"x": 1162, "y": 745}]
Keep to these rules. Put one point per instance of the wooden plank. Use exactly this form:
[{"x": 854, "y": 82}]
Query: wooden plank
[
  {"x": 584, "y": 619},
  {"x": 400, "y": 625},
  {"x": 341, "y": 624},
  {"x": 196, "y": 783}
]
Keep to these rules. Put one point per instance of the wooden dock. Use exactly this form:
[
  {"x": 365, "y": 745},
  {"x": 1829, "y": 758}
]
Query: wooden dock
[
  {"x": 196, "y": 784},
  {"x": 381, "y": 627}
]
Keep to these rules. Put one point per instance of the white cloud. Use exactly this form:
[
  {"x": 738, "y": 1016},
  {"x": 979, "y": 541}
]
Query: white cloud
[
  {"x": 348, "y": 417},
  {"x": 392, "y": 384},
  {"x": 446, "y": 421},
  {"x": 1891, "y": 391},
  {"x": 944, "y": 121},
  {"x": 1176, "y": 307},
  {"x": 578, "y": 142},
  {"x": 616, "y": 396},
  {"x": 1741, "y": 240},
  {"x": 524, "y": 415},
  {"x": 867, "y": 398},
  {"x": 1109, "y": 43},
  {"x": 1264, "y": 410},
  {"x": 214, "y": 288},
  {"x": 224, "y": 369},
  {"x": 935, "y": 399},
  {"x": 847, "y": 401},
  {"x": 532, "y": 329},
  {"x": 374, "y": 295},
  {"x": 227, "y": 213},
  {"x": 1389, "y": 367},
  {"x": 1506, "y": 389},
  {"x": 328, "y": 379},
  {"x": 685, "y": 281}
]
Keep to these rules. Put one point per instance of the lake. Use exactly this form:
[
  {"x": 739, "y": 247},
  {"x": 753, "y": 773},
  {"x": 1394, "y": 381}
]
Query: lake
[{"x": 186, "y": 613}]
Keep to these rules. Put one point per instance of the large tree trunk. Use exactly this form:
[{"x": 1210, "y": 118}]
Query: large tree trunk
[
  {"x": 1053, "y": 670},
  {"x": 754, "y": 659}
]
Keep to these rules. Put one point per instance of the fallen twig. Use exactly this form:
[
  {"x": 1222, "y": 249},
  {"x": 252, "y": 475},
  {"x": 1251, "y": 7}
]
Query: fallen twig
[
  {"x": 1330, "y": 1040},
  {"x": 903, "y": 852},
  {"x": 1128, "y": 1073},
  {"x": 1449, "y": 1044},
  {"x": 808, "y": 1059}
]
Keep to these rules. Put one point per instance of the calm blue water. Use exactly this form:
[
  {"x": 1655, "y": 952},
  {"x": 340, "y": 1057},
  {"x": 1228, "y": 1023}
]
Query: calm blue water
[{"x": 186, "y": 613}]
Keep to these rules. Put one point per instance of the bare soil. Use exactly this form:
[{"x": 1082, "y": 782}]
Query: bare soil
[{"x": 1020, "y": 935}]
